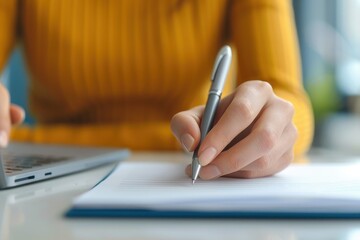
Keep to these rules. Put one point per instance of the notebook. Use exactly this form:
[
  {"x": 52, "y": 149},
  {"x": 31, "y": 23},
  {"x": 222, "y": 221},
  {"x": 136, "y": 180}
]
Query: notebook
[{"x": 158, "y": 189}]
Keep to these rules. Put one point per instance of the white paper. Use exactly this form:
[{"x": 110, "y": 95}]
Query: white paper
[{"x": 323, "y": 187}]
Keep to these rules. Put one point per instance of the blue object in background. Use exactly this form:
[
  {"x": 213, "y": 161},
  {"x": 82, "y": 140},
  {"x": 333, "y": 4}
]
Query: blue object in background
[{"x": 17, "y": 82}]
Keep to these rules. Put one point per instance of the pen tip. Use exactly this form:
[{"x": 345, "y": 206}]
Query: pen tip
[{"x": 193, "y": 181}]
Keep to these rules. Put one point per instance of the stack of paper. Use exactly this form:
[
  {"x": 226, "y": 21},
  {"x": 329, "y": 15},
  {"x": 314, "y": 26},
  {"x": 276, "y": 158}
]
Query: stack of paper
[{"x": 154, "y": 189}]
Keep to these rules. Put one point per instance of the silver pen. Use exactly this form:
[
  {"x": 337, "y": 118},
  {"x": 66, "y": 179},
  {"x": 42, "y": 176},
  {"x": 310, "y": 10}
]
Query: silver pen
[{"x": 218, "y": 77}]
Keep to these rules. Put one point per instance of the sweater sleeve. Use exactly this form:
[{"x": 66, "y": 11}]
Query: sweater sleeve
[
  {"x": 7, "y": 29},
  {"x": 264, "y": 34}
]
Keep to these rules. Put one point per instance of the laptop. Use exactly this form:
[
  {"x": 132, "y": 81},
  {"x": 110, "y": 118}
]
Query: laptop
[{"x": 24, "y": 163}]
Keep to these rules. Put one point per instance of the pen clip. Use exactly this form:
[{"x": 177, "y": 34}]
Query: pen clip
[{"x": 224, "y": 52}]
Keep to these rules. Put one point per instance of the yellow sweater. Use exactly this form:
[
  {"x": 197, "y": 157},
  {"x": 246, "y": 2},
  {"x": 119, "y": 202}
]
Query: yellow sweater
[{"x": 113, "y": 72}]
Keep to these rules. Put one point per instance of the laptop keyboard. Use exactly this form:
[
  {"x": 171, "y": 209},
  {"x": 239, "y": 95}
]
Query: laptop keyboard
[{"x": 14, "y": 163}]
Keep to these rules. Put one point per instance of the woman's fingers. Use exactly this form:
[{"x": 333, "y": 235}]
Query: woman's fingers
[
  {"x": 17, "y": 114},
  {"x": 5, "y": 121},
  {"x": 258, "y": 169},
  {"x": 253, "y": 134},
  {"x": 185, "y": 126},
  {"x": 280, "y": 164},
  {"x": 264, "y": 162},
  {"x": 245, "y": 106},
  {"x": 266, "y": 134},
  {"x": 9, "y": 115}
]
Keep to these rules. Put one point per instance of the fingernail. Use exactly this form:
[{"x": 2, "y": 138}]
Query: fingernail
[
  {"x": 3, "y": 139},
  {"x": 212, "y": 171},
  {"x": 22, "y": 113},
  {"x": 207, "y": 156},
  {"x": 187, "y": 141}
]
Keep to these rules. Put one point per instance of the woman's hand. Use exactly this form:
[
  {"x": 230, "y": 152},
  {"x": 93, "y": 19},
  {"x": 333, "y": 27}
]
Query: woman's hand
[
  {"x": 252, "y": 136},
  {"x": 10, "y": 114}
]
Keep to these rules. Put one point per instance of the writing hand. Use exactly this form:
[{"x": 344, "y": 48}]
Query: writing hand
[{"x": 253, "y": 134}]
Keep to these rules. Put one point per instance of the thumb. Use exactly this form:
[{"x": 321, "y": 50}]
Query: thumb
[{"x": 185, "y": 127}]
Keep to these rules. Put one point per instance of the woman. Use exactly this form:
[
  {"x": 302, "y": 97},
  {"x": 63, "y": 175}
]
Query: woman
[{"x": 113, "y": 73}]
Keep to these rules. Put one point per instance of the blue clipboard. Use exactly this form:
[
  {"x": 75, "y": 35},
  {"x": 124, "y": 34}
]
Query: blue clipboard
[{"x": 143, "y": 213}]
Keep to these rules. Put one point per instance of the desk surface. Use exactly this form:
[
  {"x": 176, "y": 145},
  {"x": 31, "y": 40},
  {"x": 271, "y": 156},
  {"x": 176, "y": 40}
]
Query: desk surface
[{"x": 36, "y": 212}]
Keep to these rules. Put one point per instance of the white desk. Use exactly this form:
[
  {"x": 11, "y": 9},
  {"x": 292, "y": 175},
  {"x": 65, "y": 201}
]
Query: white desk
[{"x": 36, "y": 212}]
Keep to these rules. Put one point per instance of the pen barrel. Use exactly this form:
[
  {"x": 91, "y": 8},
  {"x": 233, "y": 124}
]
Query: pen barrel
[
  {"x": 218, "y": 78},
  {"x": 209, "y": 113}
]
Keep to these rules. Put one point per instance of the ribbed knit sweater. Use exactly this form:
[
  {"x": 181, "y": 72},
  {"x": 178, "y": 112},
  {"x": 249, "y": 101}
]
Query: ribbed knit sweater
[{"x": 114, "y": 72}]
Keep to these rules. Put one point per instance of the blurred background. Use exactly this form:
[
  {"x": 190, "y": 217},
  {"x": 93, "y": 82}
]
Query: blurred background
[{"x": 329, "y": 39}]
